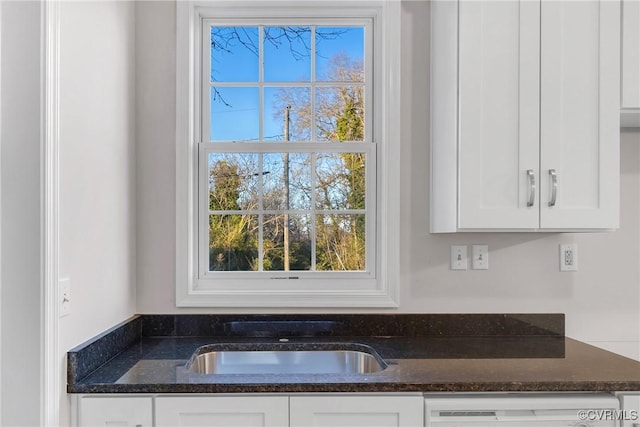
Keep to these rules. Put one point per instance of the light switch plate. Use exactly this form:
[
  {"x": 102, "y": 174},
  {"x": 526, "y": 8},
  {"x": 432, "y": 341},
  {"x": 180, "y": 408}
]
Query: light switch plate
[
  {"x": 479, "y": 257},
  {"x": 458, "y": 257}
]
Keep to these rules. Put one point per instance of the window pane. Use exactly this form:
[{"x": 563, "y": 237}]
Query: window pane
[
  {"x": 287, "y": 54},
  {"x": 340, "y": 54},
  {"x": 286, "y": 211},
  {"x": 340, "y": 113},
  {"x": 233, "y": 242},
  {"x": 234, "y": 54},
  {"x": 234, "y": 114},
  {"x": 233, "y": 181},
  {"x": 341, "y": 181},
  {"x": 299, "y": 242},
  {"x": 276, "y": 99},
  {"x": 276, "y": 184},
  {"x": 340, "y": 242}
]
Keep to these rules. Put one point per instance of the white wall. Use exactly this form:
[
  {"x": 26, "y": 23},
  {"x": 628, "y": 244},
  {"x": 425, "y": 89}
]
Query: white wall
[
  {"x": 155, "y": 156},
  {"x": 21, "y": 232},
  {"x": 97, "y": 170},
  {"x": 601, "y": 300}
]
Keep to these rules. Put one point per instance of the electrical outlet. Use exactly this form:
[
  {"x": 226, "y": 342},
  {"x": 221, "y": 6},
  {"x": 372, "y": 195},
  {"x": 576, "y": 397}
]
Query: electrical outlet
[
  {"x": 64, "y": 296},
  {"x": 458, "y": 257},
  {"x": 479, "y": 257},
  {"x": 569, "y": 257}
]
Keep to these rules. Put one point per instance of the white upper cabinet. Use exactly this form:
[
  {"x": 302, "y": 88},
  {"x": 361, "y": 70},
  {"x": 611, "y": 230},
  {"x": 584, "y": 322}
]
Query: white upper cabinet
[
  {"x": 579, "y": 117},
  {"x": 524, "y": 115},
  {"x": 498, "y": 112},
  {"x": 630, "y": 94}
]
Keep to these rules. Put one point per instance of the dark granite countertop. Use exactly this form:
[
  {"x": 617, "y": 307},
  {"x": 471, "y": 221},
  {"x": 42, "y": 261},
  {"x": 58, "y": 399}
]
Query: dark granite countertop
[{"x": 424, "y": 353}]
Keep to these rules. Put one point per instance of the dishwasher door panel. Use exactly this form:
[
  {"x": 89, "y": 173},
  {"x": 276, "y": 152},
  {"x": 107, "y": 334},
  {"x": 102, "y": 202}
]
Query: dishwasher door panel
[{"x": 522, "y": 410}]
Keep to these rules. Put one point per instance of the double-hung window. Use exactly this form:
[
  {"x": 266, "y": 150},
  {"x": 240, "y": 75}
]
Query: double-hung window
[{"x": 280, "y": 168}]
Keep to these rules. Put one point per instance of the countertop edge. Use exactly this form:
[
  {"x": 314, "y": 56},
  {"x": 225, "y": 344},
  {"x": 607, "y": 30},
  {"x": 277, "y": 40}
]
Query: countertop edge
[{"x": 354, "y": 388}]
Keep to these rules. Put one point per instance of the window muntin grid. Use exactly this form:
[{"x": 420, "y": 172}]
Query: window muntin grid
[{"x": 313, "y": 148}]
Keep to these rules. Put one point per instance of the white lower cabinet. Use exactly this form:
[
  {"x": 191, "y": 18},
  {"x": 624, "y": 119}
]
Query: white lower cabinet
[
  {"x": 343, "y": 409},
  {"x": 356, "y": 411},
  {"x": 222, "y": 411},
  {"x": 630, "y": 404},
  {"x": 120, "y": 411},
  {"x": 258, "y": 410}
]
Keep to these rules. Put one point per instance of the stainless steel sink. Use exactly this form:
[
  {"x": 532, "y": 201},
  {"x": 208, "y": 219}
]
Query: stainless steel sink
[{"x": 287, "y": 359}]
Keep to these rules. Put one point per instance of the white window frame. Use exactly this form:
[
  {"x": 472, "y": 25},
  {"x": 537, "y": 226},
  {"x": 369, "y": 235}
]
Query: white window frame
[
  {"x": 378, "y": 286},
  {"x": 247, "y": 279}
]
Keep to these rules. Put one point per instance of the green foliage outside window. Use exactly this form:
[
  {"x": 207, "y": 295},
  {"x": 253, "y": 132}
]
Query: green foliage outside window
[{"x": 340, "y": 185}]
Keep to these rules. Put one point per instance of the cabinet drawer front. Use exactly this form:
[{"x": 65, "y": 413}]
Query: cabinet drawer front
[
  {"x": 222, "y": 411},
  {"x": 123, "y": 411},
  {"x": 357, "y": 411},
  {"x": 630, "y": 410}
]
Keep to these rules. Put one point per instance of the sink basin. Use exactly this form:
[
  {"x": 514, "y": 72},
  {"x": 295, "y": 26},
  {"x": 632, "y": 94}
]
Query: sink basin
[{"x": 285, "y": 359}]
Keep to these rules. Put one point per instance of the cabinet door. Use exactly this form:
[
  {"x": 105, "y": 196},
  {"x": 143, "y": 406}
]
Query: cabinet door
[
  {"x": 356, "y": 411},
  {"x": 115, "y": 411},
  {"x": 579, "y": 114},
  {"x": 631, "y": 54},
  {"x": 222, "y": 411},
  {"x": 630, "y": 405},
  {"x": 498, "y": 114}
]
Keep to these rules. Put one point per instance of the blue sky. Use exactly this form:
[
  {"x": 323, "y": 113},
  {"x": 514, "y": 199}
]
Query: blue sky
[{"x": 236, "y": 60}]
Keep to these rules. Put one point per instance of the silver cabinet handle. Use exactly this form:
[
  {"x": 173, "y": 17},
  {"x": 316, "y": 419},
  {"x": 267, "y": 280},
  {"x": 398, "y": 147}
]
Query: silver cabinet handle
[
  {"x": 532, "y": 187},
  {"x": 554, "y": 187}
]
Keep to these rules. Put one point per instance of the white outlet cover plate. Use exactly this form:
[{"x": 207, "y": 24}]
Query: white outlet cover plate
[{"x": 569, "y": 257}]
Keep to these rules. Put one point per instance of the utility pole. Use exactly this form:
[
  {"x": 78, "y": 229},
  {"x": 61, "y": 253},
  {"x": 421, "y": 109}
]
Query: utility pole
[{"x": 287, "y": 112}]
